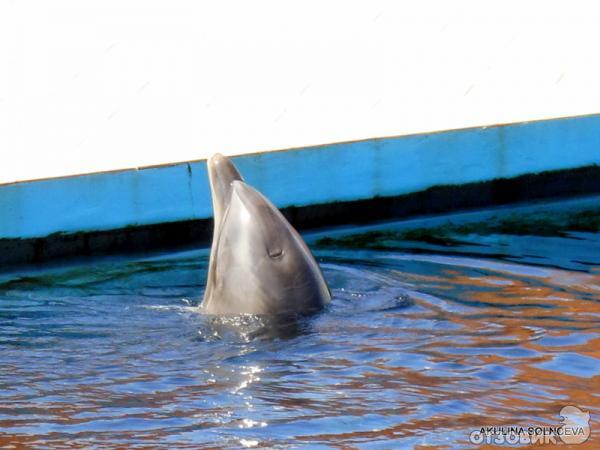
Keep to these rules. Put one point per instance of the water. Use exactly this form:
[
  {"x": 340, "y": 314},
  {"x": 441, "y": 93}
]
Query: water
[{"x": 419, "y": 347}]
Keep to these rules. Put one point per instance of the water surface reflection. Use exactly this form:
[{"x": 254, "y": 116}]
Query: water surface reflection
[{"x": 415, "y": 349}]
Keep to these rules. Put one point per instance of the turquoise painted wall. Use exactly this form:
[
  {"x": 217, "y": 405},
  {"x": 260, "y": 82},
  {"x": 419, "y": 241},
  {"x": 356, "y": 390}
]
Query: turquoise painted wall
[{"x": 321, "y": 174}]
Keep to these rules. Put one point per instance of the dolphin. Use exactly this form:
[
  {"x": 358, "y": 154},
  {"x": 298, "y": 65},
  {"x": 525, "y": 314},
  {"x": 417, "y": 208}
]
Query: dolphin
[{"x": 258, "y": 264}]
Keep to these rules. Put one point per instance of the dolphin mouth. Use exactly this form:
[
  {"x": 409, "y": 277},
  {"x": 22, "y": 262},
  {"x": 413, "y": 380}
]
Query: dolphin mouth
[{"x": 221, "y": 174}]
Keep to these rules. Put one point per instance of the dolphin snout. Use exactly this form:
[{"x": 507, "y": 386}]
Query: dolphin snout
[
  {"x": 221, "y": 173},
  {"x": 215, "y": 160},
  {"x": 219, "y": 165}
]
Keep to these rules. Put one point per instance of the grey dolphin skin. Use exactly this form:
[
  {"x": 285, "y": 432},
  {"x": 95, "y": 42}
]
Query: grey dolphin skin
[{"x": 259, "y": 264}]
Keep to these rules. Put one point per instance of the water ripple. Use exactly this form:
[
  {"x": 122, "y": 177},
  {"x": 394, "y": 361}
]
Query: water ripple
[{"x": 415, "y": 349}]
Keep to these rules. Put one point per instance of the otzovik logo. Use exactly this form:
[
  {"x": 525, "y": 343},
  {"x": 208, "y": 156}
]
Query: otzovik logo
[
  {"x": 575, "y": 425},
  {"x": 574, "y": 428}
]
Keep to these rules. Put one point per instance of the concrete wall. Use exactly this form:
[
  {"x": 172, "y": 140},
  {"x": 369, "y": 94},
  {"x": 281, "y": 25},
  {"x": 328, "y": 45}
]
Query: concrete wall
[{"x": 300, "y": 177}]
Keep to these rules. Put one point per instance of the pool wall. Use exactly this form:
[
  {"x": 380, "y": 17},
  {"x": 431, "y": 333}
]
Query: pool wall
[{"x": 349, "y": 182}]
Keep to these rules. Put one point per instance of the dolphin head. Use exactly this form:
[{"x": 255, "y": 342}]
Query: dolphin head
[{"x": 259, "y": 264}]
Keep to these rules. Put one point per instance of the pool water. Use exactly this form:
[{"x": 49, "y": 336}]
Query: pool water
[{"x": 420, "y": 346}]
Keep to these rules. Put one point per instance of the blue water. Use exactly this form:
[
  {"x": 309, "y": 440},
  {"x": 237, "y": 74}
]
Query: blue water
[{"x": 417, "y": 348}]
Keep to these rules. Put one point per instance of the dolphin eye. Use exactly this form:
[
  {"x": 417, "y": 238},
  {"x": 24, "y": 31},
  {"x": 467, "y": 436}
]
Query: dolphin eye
[{"x": 276, "y": 253}]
